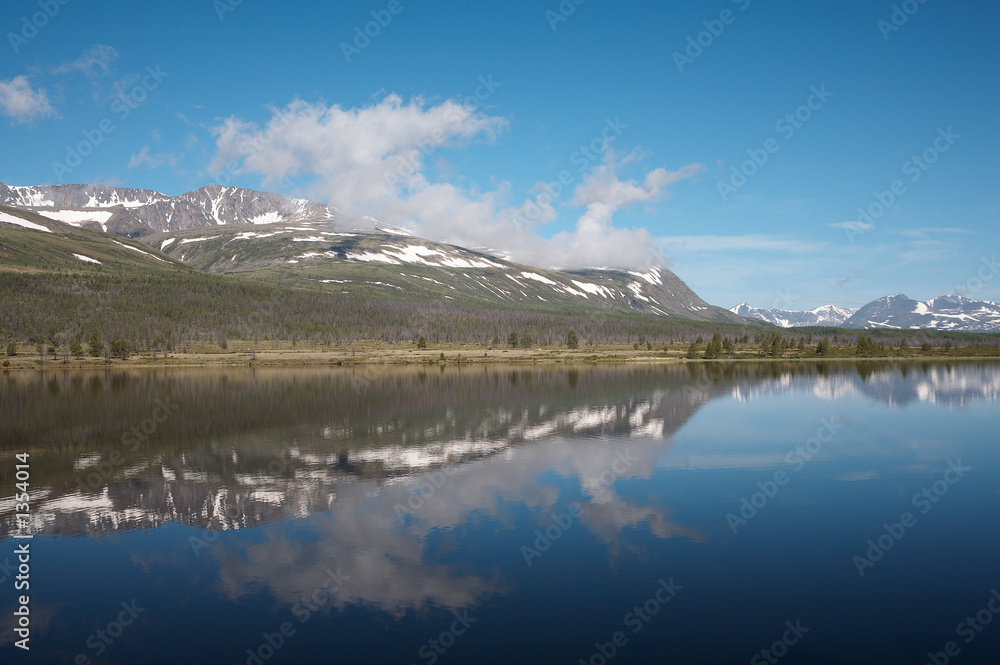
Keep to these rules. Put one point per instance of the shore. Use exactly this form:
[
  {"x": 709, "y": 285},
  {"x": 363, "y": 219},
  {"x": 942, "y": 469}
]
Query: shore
[{"x": 288, "y": 355}]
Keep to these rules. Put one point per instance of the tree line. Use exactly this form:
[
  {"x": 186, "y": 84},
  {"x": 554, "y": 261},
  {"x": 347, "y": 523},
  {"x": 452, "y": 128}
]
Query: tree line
[{"x": 117, "y": 314}]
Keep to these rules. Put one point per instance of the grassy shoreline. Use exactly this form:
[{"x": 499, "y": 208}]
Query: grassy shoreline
[{"x": 241, "y": 354}]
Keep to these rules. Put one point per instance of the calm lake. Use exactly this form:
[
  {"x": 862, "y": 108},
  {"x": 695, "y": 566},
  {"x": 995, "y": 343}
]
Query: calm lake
[{"x": 700, "y": 513}]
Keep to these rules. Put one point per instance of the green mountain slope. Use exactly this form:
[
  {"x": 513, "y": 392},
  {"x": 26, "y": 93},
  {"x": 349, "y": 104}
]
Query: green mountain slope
[
  {"x": 381, "y": 264},
  {"x": 62, "y": 284},
  {"x": 29, "y": 241}
]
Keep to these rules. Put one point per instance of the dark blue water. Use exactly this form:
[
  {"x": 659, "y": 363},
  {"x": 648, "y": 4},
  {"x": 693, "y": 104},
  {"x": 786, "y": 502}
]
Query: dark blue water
[{"x": 701, "y": 514}]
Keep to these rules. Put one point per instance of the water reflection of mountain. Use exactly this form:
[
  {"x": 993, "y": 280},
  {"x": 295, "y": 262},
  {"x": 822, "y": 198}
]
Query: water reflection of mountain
[
  {"x": 246, "y": 447},
  {"x": 892, "y": 384},
  {"x": 347, "y": 454},
  {"x": 254, "y": 446}
]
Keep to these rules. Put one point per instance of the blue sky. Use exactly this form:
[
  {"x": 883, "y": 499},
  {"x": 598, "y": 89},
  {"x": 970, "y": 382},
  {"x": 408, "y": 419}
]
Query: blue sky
[{"x": 764, "y": 149}]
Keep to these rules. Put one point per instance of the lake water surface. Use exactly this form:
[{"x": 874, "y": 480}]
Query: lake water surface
[{"x": 700, "y": 513}]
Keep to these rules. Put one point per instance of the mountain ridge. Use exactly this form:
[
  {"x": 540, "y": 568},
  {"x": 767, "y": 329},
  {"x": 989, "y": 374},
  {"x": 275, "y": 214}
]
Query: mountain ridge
[
  {"x": 231, "y": 230},
  {"x": 825, "y": 315},
  {"x": 138, "y": 212},
  {"x": 408, "y": 266},
  {"x": 377, "y": 265},
  {"x": 897, "y": 311}
]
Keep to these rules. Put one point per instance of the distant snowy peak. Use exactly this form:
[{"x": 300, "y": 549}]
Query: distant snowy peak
[
  {"x": 896, "y": 312},
  {"x": 139, "y": 212},
  {"x": 941, "y": 313},
  {"x": 77, "y": 196},
  {"x": 827, "y": 315}
]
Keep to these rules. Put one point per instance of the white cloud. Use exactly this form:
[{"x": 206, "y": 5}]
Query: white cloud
[
  {"x": 852, "y": 226},
  {"x": 748, "y": 243},
  {"x": 602, "y": 189},
  {"x": 372, "y": 160},
  {"x": 22, "y": 102},
  {"x": 357, "y": 157},
  {"x": 596, "y": 241},
  {"x": 927, "y": 231},
  {"x": 143, "y": 158},
  {"x": 95, "y": 60}
]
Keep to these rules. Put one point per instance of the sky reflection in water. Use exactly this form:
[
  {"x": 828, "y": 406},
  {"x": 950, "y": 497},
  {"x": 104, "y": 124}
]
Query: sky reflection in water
[{"x": 533, "y": 510}]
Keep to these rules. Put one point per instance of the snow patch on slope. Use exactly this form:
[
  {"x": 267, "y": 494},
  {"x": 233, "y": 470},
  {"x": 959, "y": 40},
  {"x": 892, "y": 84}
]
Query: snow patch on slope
[
  {"x": 266, "y": 218},
  {"x": 136, "y": 249},
  {"x": 371, "y": 257},
  {"x": 11, "y": 219},
  {"x": 653, "y": 276},
  {"x": 595, "y": 289},
  {"x": 79, "y": 217},
  {"x": 538, "y": 278}
]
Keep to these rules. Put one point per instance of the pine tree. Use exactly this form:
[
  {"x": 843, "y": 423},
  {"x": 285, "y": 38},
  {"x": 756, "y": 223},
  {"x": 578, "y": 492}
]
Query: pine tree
[
  {"x": 865, "y": 348},
  {"x": 95, "y": 346},
  {"x": 119, "y": 347},
  {"x": 823, "y": 347},
  {"x": 714, "y": 348}
]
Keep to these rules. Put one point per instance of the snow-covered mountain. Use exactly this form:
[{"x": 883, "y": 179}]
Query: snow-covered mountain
[
  {"x": 827, "y": 315},
  {"x": 896, "y": 311},
  {"x": 941, "y": 313},
  {"x": 386, "y": 261},
  {"x": 379, "y": 263},
  {"x": 140, "y": 212}
]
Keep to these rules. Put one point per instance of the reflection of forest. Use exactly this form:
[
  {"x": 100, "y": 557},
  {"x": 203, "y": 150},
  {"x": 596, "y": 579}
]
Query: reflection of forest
[{"x": 250, "y": 446}]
